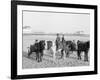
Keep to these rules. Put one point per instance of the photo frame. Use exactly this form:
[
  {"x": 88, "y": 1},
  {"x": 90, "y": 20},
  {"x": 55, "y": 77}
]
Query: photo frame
[{"x": 25, "y": 13}]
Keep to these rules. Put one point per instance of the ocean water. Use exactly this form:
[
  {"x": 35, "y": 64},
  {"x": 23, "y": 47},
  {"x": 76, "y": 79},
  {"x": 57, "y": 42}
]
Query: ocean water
[{"x": 30, "y": 39}]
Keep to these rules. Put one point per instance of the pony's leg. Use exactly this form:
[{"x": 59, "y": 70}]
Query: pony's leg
[
  {"x": 41, "y": 56},
  {"x": 66, "y": 52},
  {"x": 56, "y": 47},
  {"x": 86, "y": 56},
  {"x": 62, "y": 53},
  {"x": 29, "y": 53},
  {"x": 37, "y": 56},
  {"x": 48, "y": 48},
  {"x": 78, "y": 54}
]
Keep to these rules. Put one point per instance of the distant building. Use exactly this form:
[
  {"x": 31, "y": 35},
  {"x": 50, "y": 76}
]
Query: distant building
[
  {"x": 79, "y": 32},
  {"x": 38, "y": 32}
]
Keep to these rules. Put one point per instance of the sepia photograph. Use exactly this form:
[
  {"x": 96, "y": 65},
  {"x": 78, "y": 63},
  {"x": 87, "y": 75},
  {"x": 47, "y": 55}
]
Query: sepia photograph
[{"x": 53, "y": 39}]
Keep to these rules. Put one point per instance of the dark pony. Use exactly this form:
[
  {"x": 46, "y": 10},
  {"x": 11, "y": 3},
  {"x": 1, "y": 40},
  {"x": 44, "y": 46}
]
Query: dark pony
[
  {"x": 83, "y": 47},
  {"x": 38, "y": 49}
]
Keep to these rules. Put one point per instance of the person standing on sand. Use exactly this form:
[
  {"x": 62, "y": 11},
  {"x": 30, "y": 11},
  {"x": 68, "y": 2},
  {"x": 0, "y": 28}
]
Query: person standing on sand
[
  {"x": 57, "y": 42},
  {"x": 63, "y": 39},
  {"x": 63, "y": 45}
]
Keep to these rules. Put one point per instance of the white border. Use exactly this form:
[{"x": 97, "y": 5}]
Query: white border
[{"x": 21, "y": 71}]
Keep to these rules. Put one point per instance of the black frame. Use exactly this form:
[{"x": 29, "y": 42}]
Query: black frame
[{"x": 14, "y": 39}]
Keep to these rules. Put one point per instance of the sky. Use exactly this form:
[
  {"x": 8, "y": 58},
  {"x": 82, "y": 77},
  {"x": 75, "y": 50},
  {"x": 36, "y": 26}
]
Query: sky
[{"x": 50, "y": 22}]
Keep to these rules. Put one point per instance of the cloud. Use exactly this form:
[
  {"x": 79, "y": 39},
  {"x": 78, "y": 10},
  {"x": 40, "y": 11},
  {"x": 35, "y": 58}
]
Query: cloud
[{"x": 26, "y": 27}]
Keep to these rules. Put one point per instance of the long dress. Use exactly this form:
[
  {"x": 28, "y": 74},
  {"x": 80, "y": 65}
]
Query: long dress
[
  {"x": 63, "y": 43},
  {"x": 57, "y": 43}
]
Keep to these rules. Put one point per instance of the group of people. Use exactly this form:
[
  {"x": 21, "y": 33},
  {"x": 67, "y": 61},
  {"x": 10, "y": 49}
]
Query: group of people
[
  {"x": 79, "y": 46},
  {"x": 62, "y": 45},
  {"x": 58, "y": 41}
]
